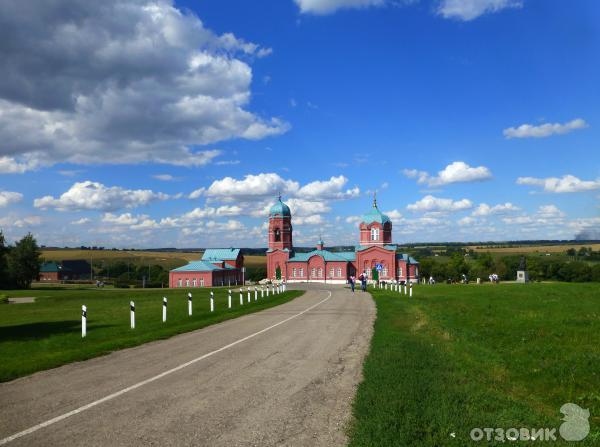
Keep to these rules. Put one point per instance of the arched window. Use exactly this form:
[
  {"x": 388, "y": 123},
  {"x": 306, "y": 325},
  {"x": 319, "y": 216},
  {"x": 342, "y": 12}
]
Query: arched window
[
  {"x": 331, "y": 272},
  {"x": 374, "y": 234},
  {"x": 339, "y": 272},
  {"x": 313, "y": 272},
  {"x": 320, "y": 273},
  {"x": 277, "y": 235}
]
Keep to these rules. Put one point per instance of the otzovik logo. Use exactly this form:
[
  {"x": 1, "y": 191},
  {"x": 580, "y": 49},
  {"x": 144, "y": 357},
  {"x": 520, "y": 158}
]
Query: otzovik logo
[{"x": 575, "y": 427}]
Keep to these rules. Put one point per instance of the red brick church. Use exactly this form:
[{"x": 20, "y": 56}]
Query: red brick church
[{"x": 321, "y": 265}]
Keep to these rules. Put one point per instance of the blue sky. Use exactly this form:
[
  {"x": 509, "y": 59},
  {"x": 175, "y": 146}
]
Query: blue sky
[{"x": 139, "y": 124}]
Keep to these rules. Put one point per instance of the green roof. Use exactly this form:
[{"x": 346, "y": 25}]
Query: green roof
[
  {"x": 220, "y": 254},
  {"x": 375, "y": 216},
  {"x": 280, "y": 209},
  {"x": 406, "y": 257},
  {"x": 50, "y": 267},
  {"x": 325, "y": 254},
  {"x": 201, "y": 266}
]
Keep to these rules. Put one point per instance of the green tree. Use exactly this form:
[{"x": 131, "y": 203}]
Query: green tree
[
  {"x": 4, "y": 276},
  {"x": 24, "y": 262}
]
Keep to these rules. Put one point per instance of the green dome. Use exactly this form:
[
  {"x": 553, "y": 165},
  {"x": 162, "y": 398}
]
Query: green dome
[
  {"x": 279, "y": 209},
  {"x": 375, "y": 215}
]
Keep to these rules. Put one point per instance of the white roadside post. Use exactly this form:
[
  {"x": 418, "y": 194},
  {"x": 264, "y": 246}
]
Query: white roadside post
[
  {"x": 212, "y": 301},
  {"x": 267, "y": 290},
  {"x": 248, "y": 294},
  {"x": 262, "y": 291},
  {"x": 229, "y": 299},
  {"x": 132, "y": 314},
  {"x": 255, "y": 294},
  {"x": 164, "y": 309},
  {"x": 241, "y": 297},
  {"x": 83, "y": 321},
  {"x": 406, "y": 288},
  {"x": 410, "y": 290},
  {"x": 190, "y": 304}
]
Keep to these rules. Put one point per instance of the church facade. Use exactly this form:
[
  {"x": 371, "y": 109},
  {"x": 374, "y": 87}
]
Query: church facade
[{"x": 375, "y": 256}]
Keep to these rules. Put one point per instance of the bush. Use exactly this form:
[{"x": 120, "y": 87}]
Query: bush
[{"x": 3, "y": 299}]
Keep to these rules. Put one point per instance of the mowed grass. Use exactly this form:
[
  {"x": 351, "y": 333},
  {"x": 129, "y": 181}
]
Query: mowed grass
[
  {"x": 457, "y": 357},
  {"x": 47, "y": 333}
]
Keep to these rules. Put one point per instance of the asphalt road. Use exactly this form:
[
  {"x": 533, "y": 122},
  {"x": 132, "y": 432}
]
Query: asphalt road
[{"x": 283, "y": 376}]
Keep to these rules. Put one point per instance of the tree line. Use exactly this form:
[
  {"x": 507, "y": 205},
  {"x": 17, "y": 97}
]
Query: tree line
[
  {"x": 483, "y": 264},
  {"x": 19, "y": 263}
]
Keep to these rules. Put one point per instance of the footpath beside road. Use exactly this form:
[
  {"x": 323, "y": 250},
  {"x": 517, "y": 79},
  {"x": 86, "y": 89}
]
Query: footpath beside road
[{"x": 283, "y": 376}]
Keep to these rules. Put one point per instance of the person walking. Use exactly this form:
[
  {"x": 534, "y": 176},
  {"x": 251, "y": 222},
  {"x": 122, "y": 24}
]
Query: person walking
[
  {"x": 352, "y": 282},
  {"x": 363, "y": 282}
]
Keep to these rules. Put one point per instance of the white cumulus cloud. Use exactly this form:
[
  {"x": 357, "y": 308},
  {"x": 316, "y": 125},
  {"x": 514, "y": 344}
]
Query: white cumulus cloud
[
  {"x": 456, "y": 172},
  {"x": 90, "y": 195},
  {"x": 544, "y": 130},
  {"x": 471, "y": 9},
  {"x": 430, "y": 203},
  {"x": 566, "y": 183},
  {"x": 120, "y": 81},
  {"x": 9, "y": 197},
  {"x": 330, "y": 6},
  {"x": 486, "y": 210}
]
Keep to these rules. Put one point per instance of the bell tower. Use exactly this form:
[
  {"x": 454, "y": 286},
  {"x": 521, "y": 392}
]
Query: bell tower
[{"x": 280, "y": 226}]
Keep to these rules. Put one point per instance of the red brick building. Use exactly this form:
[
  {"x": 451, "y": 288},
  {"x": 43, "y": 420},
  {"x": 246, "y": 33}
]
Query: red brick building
[
  {"x": 320, "y": 265},
  {"x": 218, "y": 267}
]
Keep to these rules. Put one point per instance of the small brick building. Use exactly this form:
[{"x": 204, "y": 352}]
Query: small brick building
[
  {"x": 320, "y": 265},
  {"x": 50, "y": 272},
  {"x": 218, "y": 267},
  {"x": 67, "y": 270}
]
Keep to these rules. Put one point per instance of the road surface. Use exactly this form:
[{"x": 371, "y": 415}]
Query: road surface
[{"x": 283, "y": 376}]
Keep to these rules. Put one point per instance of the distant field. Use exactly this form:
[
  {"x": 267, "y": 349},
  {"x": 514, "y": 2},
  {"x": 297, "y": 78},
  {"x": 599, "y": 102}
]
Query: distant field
[
  {"x": 47, "y": 333},
  {"x": 458, "y": 357},
  {"x": 533, "y": 248},
  {"x": 168, "y": 260}
]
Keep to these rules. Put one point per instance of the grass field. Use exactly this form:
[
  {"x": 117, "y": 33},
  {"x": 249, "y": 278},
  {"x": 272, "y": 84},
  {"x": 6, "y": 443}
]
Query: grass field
[
  {"x": 457, "y": 357},
  {"x": 47, "y": 333},
  {"x": 530, "y": 249},
  {"x": 168, "y": 260}
]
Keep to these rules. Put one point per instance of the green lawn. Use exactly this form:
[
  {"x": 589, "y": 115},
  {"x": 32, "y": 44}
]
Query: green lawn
[
  {"x": 455, "y": 357},
  {"x": 47, "y": 333}
]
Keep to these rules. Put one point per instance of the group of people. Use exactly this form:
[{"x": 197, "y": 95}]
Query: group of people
[
  {"x": 494, "y": 278},
  {"x": 363, "y": 282}
]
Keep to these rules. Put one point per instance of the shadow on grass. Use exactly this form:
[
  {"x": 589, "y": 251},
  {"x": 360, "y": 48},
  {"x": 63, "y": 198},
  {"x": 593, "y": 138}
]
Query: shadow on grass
[{"x": 34, "y": 331}]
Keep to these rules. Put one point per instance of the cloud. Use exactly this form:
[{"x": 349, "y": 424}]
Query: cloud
[
  {"x": 315, "y": 219},
  {"x": 430, "y": 203},
  {"x": 9, "y": 197},
  {"x": 467, "y": 10},
  {"x": 455, "y": 172},
  {"x": 544, "y": 130},
  {"x": 9, "y": 165},
  {"x": 165, "y": 177},
  {"x": 322, "y": 7},
  {"x": 120, "y": 81},
  {"x": 82, "y": 221},
  {"x": 485, "y": 210},
  {"x": 90, "y": 195},
  {"x": 566, "y": 183},
  {"x": 252, "y": 186},
  {"x": 550, "y": 211},
  {"x": 395, "y": 215},
  {"x": 329, "y": 189},
  {"x": 24, "y": 222}
]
